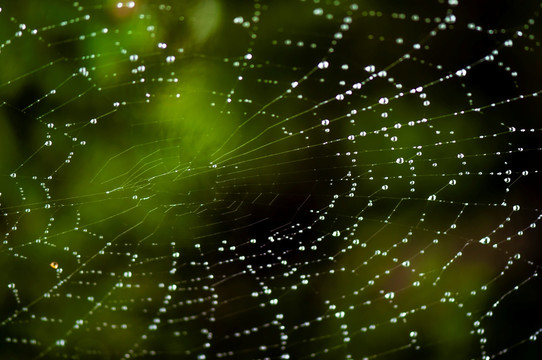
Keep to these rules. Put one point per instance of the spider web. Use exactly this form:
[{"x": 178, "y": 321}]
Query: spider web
[{"x": 270, "y": 180}]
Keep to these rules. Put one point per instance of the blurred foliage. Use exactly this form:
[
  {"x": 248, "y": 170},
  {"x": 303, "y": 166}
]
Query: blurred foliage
[{"x": 169, "y": 126}]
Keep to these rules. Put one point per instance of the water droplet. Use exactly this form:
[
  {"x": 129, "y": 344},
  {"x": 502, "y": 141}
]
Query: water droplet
[
  {"x": 323, "y": 65},
  {"x": 485, "y": 240},
  {"x": 461, "y": 73},
  {"x": 83, "y": 71},
  {"x": 60, "y": 342},
  {"x": 390, "y": 295}
]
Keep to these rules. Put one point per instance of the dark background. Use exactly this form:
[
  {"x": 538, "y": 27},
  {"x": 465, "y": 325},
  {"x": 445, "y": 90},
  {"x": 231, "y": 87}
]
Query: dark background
[{"x": 171, "y": 167}]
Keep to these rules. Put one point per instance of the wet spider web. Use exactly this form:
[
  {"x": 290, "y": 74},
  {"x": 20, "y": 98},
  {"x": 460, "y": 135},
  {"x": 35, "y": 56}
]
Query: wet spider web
[{"x": 270, "y": 180}]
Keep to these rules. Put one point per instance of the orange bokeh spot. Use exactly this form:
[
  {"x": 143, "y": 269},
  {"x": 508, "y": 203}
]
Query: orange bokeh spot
[{"x": 54, "y": 265}]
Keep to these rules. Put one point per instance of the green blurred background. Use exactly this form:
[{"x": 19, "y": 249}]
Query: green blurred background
[{"x": 186, "y": 173}]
